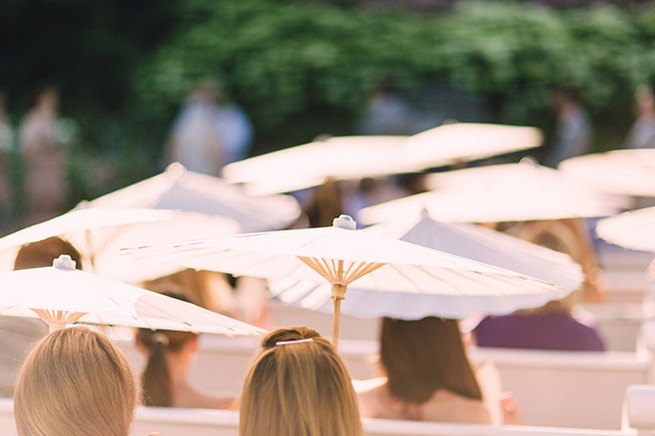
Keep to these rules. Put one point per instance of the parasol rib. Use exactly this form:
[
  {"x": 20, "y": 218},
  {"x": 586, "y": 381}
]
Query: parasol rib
[
  {"x": 364, "y": 269},
  {"x": 355, "y": 270},
  {"x": 57, "y": 319},
  {"x": 329, "y": 269},
  {"x": 416, "y": 286},
  {"x": 527, "y": 285},
  {"x": 316, "y": 266}
]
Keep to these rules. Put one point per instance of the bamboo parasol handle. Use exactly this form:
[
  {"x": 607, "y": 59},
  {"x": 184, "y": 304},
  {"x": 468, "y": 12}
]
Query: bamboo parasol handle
[{"x": 338, "y": 294}]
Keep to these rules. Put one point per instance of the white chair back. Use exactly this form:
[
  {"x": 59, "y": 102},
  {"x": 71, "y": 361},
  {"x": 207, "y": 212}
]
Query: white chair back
[{"x": 568, "y": 389}]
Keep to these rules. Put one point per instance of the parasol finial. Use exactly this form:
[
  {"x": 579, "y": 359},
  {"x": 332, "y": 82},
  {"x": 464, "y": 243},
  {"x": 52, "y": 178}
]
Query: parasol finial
[
  {"x": 344, "y": 222},
  {"x": 529, "y": 160},
  {"x": 64, "y": 263},
  {"x": 175, "y": 171}
]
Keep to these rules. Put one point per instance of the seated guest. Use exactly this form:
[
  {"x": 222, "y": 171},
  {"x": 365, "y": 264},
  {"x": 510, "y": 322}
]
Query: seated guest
[
  {"x": 19, "y": 334},
  {"x": 75, "y": 382},
  {"x": 561, "y": 324},
  {"x": 298, "y": 386},
  {"x": 550, "y": 327},
  {"x": 164, "y": 380},
  {"x": 428, "y": 376}
]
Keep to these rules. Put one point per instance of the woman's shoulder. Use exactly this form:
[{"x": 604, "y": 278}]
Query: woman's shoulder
[
  {"x": 369, "y": 396},
  {"x": 195, "y": 399},
  {"x": 447, "y": 406},
  {"x": 375, "y": 401}
]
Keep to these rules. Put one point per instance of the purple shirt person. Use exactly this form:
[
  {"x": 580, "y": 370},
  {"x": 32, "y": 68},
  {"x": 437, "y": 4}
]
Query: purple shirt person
[{"x": 541, "y": 331}]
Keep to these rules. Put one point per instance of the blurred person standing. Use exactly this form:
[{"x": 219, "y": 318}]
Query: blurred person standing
[
  {"x": 195, "y": 139},
  {"x": 206, "y": 134},
  {"x": 573, "y": 131},
  {"x": 45, "y": 183},
  {"x": 6, "y": 147},
  {"x": 642, "y": 132},
  {"x": 387, "y": 114},
  {"x": 236, "y": 130},
  {"x": 6, "y": 132}
]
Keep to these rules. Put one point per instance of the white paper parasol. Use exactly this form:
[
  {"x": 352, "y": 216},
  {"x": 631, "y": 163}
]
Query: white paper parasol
[
  {"x": 308, "y": 165},
  {"x": 626, "y": 172},
  {"x": 472, "y": 242},
  {"x": 62, "y": 295},
  {"x": 356, "y": 157},
  {"x": 343, "y": 256},
  {"x": 99, "y": 233},
  {"x": 179, "y": 189},
  {"x": 631, "y": 230},
  {"x": 463, "y": 142},
  {"x": 509, "y": 192}
]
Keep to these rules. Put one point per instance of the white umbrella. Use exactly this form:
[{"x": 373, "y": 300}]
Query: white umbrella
[
  {"x": 356, "y": 157},
  {"x": 630, "y": 229},
  {"x": 626, "y": 172},
  {"x": 463, "y": 142},
  {"x": 179, "y": 189},
  {"x": 99, "y": 233},
  {"x": 308, "y": 165},
  {"x": 342, "y": 255},
  {"x": 472, "y": 242},
  {"x": 509, "y": 192},
  {"x": 62, "y": 295}
]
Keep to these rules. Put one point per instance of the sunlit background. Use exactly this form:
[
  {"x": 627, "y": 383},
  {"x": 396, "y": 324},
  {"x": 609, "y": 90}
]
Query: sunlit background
[{"x": 304, "y": 68}]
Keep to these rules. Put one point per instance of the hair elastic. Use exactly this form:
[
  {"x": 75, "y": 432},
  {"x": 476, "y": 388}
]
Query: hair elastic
[{"x": 294, "y": 341}]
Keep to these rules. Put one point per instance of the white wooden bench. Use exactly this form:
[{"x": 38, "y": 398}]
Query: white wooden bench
[
  {"x": 568, "y": 389},
  {"x": 167, "y": 421},
  {"x": 624, "y": 273},
  {"x": 7, "y": 424},
  {"x": 185, "y": 422},
  {"x": 198, "y": 422},
  {"x": 381, "y": 427},
  {"x": 639, "y": 412}
]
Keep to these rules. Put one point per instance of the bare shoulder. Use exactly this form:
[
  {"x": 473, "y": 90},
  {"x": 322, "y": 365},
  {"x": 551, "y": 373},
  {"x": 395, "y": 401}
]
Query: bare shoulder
[
  {"x": 369, "y": 393},
  {"x": 447, "y": 406},
  {"x": 194, "y": 399}
]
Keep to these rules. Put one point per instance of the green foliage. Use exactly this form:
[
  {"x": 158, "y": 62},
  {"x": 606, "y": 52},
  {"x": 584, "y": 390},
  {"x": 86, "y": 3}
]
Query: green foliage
[
  {"x": 89, "y": 49},
  {"x": 292, "y": 60},
  {"x": 301, "y": 68}
]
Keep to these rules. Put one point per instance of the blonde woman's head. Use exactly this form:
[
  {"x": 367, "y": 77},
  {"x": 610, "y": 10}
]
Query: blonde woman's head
[
  {"x": 74, "y": 382},
  {"x": 298, "y": 386}
]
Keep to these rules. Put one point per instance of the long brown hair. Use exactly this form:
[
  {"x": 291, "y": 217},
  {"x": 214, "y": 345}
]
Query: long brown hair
[
  {"x": 156, "y": 389},
  {"x": 422, "y": 356},
  {"x": 298, "y": 386}
]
